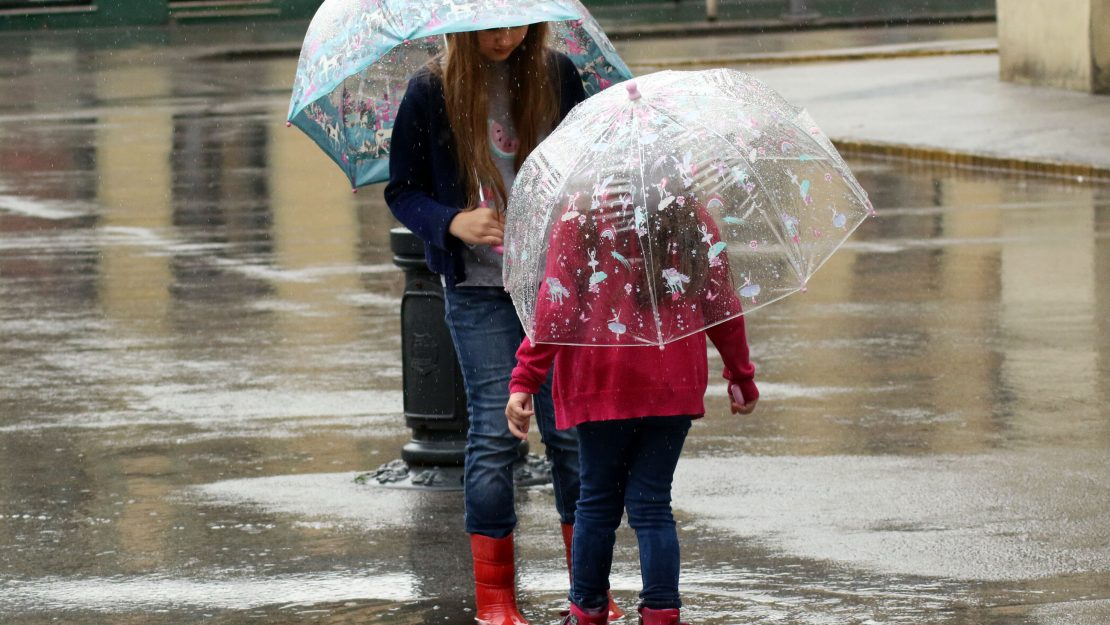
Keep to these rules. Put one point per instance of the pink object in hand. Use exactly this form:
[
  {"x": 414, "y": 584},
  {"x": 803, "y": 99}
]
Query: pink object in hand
[
  {"x": 500, "y": 249},
  {"x": 734, "y": 392}
]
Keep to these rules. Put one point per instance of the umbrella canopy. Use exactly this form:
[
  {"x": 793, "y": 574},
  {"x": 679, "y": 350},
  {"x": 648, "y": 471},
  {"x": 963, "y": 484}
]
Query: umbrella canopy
[
  {"x": 656, "y": 211},
  {"x": 358, "y": 55}
]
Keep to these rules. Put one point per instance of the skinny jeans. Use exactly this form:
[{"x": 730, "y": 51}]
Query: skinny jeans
[
  {"x": 628, "y": 464},
  {"x": 486, "y": 332}
]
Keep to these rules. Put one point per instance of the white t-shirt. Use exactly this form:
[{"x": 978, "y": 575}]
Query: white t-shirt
[{"x": 483, "y": 265}]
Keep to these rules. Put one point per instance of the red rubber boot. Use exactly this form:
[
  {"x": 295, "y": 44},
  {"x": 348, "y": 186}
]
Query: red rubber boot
[
  {"x": 659, "y": 617},
  {"x": 578, "y": 616},
  {"x": 495, "y": 581},
  {"x": 568, "y": 535}
]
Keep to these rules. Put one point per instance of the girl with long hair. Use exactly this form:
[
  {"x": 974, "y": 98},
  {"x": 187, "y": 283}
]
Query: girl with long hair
[{"x": 463, "y": 129}]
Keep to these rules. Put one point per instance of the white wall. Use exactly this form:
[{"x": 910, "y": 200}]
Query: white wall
[{"x": 1056, "y": 43}]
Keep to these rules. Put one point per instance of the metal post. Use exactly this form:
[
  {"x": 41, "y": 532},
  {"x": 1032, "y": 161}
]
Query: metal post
[
  {"x": 711, "y": 10},
  {"x": 797, "y": 11},
  {"x": 434, "y": 396}
]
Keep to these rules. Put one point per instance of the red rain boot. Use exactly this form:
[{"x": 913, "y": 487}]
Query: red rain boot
[
  {"x": 495, "y": 580},
  {"x": 578, "y": 616},
  {"x": 659, "y": 617},
  {"x": 568, "y": 534}
]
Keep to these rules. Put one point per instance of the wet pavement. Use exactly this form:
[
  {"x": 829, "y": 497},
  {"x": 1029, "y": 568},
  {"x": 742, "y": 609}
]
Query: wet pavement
[{"x": 199, "y": 352}]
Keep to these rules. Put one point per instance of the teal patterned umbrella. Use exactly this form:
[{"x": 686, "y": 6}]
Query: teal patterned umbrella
[{"x": 358, "y": 55}]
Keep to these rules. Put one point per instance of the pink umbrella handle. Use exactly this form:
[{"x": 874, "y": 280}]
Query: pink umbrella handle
[{"x": 483, "y": 203}]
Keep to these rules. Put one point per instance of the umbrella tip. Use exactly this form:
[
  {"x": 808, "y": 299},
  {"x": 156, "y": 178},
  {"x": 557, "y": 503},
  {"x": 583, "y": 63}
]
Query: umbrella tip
[{"x": 633, "y": 90}]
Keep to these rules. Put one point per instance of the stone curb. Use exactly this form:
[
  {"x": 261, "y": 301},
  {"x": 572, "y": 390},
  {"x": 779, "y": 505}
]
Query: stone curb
[{"x": 1079, "y": 172}]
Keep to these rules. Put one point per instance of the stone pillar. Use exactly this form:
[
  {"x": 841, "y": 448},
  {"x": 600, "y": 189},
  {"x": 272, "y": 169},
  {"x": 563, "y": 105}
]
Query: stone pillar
[{"x": 1056, "y": 43}]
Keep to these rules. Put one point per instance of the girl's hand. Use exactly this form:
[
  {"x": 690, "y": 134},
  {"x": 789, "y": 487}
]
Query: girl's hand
[
  {"x": 519, "y": 411},
  {"x": 743, "y": 408},
  {"x": 478, "y": 226},
  {"x": 736, "y": 401}
]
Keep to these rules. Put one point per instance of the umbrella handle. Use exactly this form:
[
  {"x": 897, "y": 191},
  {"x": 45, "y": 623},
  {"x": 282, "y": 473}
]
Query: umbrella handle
[{"x": 483, "y": 203}]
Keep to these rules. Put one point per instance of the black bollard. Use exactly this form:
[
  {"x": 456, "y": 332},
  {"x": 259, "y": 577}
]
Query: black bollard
[{"x": 434, "y": 395}]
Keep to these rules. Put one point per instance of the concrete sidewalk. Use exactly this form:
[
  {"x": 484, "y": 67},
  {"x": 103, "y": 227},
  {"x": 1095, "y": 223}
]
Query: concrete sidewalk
[
  {"x": 927, "y": 92},
  {"x": 952, "y": 109},
  {"x": 949, "y": 107}
]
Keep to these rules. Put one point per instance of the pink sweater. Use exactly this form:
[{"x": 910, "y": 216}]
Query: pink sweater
[
  {"x": 630, "y": 379},
  {"x": 605, "y": 383}
]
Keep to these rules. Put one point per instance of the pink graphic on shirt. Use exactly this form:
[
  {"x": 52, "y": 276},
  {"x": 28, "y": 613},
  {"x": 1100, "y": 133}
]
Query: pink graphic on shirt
[{"x": 502, "y": 144}]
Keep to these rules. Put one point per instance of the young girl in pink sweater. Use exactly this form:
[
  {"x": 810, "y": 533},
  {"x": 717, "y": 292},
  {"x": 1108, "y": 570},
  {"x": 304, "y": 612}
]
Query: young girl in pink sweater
[{"x": 632, "y": 404}]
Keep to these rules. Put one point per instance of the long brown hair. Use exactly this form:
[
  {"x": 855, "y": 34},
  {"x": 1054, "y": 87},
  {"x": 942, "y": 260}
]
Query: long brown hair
[{"x": 535, "y": 107}]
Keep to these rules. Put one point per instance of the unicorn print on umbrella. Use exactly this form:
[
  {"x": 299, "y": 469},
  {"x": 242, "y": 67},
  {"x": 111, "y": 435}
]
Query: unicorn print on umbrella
[
  {"x": 676, "y": 282},
  {"x": 556, "y": 291}
]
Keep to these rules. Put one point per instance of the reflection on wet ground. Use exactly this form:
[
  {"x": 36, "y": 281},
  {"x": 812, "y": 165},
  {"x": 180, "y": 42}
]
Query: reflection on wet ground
[{"x": 199, "y": 350}]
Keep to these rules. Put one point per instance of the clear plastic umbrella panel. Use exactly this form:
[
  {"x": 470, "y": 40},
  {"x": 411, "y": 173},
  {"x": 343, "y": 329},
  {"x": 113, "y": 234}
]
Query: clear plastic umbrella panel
[
  {"x": 666, "y": 207},
  {"x": 358, "y": 55}
]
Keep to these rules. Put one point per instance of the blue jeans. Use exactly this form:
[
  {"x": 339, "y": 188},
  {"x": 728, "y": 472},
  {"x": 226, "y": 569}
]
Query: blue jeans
[
  {"x": 487, "y": 332},
  {"x": 628, "y": 464}
]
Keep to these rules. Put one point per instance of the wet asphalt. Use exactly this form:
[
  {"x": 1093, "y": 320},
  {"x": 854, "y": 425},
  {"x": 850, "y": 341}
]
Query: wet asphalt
[{"x": 199, "y": 351}]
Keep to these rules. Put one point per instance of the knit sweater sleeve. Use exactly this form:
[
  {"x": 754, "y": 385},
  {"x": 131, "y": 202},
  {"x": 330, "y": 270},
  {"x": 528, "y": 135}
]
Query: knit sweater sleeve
[
  {"x": 410, "y": 193},
  {"x": 730, "y": 337},
  {"x": 533, "y": 361}
]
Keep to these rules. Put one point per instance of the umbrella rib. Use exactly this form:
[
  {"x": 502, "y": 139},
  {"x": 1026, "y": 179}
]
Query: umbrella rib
[
  {"x": 345, "y": 133},
  {"x": 648, "y": 260}
]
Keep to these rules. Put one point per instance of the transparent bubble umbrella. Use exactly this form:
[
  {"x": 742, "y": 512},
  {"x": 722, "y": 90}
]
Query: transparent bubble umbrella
[
  {"x": 663, "y": 208},
  {"x": 358, "y": 55}
]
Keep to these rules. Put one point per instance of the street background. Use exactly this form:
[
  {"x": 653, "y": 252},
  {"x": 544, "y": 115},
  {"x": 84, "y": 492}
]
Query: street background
[{"x": 199, "y": 351}]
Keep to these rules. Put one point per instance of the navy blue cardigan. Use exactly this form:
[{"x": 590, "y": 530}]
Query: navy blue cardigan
[{"x": 425, "y": 191}]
